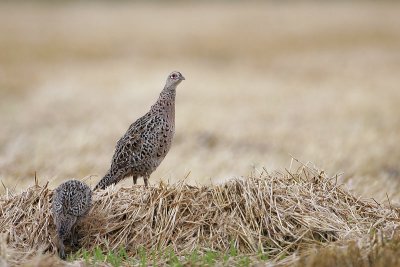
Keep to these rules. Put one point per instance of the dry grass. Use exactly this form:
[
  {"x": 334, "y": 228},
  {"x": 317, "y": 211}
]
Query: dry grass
[
  {"x": 280, "y": 214},
  {"x": 379, "y": 253}
]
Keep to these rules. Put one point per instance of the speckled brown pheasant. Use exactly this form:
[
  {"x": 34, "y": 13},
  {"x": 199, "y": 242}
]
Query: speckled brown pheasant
[
  {"x": 71, "y": 201},
  {"x": 147, "y": 141}
]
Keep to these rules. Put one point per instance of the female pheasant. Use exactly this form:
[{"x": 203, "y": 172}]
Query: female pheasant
[
  {"x": 71, "y": 202},
  {"x": 147, "y": 141}
]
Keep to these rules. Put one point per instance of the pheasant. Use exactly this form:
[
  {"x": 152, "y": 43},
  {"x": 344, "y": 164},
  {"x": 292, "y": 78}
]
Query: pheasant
[
  {"x": 147, "y": 141},
  {"x": 71, "y": 202}
]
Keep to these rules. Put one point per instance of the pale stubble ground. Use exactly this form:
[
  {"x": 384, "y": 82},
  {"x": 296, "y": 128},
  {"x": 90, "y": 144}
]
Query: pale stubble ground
[{"x": 319, "y": 81}]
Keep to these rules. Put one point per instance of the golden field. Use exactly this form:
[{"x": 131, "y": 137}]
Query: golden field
[{"x": 264, "y": 82}]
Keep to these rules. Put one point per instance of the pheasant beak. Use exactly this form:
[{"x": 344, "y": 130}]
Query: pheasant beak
[{"x": 182, "y": 78}]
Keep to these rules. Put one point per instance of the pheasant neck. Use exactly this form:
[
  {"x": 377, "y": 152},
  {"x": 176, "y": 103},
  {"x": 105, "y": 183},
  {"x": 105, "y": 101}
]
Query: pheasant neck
[{"x": 166, "y": 102}]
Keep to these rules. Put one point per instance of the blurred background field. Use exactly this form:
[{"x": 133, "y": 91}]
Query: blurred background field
[{"x": 264, "y": 81}]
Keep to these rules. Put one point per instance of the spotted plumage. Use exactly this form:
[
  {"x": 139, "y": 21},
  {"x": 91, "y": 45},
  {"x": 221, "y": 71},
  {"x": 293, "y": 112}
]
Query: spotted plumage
[
  {"x": 71, "y": 201},
  {"x": 147, "y": 141}
]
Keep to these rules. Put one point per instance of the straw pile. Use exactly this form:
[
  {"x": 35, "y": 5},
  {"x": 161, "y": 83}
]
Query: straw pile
[{"x": 277, "y": 213}]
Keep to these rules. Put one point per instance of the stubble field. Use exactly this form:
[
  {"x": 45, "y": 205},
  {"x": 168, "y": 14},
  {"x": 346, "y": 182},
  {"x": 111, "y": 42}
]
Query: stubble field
[{"x": 264, "y": 82}]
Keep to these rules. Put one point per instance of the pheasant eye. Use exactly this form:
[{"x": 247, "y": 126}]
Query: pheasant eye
[{"x": 173, "y": 76}]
